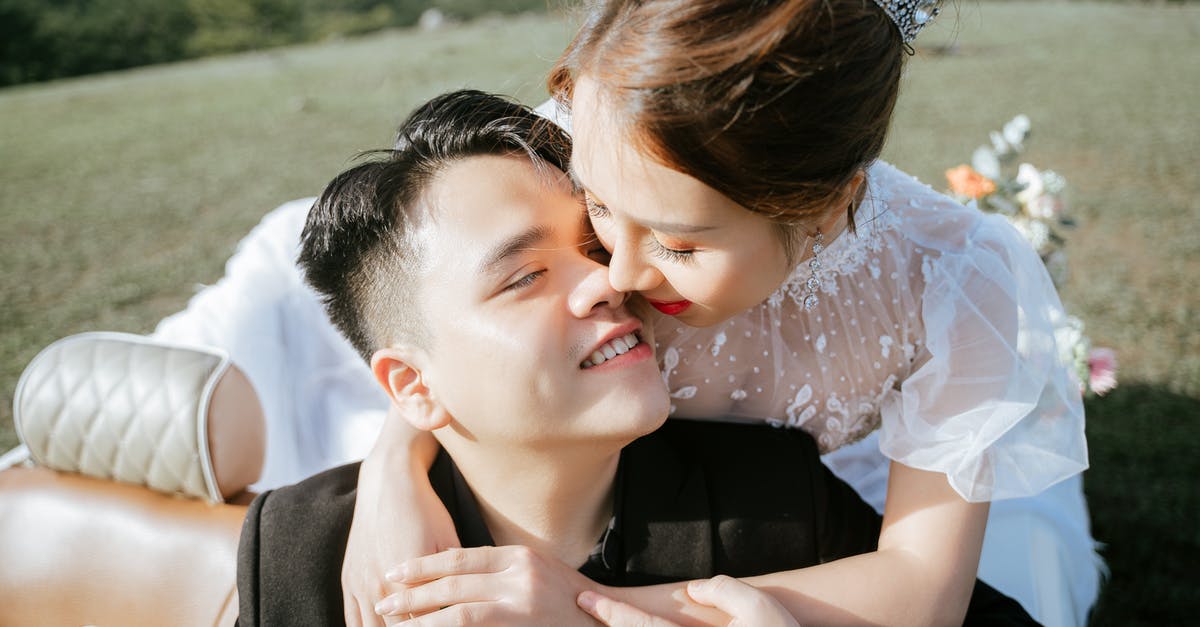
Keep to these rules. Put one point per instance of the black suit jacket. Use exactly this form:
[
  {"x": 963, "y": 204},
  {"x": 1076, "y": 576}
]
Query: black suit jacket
[{"x": 693, "y": 500}]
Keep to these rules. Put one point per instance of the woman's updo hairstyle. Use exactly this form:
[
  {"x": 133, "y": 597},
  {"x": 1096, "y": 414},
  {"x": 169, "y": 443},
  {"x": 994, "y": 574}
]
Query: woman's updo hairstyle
[{"x": 775, "y": 104}]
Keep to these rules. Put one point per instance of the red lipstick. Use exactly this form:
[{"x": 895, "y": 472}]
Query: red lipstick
[{"x": 671, "y": 309}]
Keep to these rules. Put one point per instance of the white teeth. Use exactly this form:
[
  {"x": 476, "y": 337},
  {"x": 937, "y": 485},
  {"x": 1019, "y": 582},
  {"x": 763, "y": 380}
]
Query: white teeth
[{"x": 612, "y": 348}]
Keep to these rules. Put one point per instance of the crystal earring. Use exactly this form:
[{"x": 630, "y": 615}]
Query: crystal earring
[{"x": 813, "y": 284}]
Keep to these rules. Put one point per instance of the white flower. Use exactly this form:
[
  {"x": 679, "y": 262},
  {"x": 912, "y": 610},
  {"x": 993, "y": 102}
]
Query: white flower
[
  {"x": 1053, "y": 182},
  {"x": 1031, "y": 184},
  {"x": 1045, "y": 207},
  {"x": 1034, "y": 231},
  {"x": 999, "y": 144},
  {"x": 1068, "y": 335},
  {"x": 1016, "y": 131},
  {"x": 986, "y": 163}
]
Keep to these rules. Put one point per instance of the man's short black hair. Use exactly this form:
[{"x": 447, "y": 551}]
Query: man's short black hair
[{"x": 357, "y": 249}]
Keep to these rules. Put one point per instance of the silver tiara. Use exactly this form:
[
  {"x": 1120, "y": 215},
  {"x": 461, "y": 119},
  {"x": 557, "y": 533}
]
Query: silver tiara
[{"x": 910, "y": 16}]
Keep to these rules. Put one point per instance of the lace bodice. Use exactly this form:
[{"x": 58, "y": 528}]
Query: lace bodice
[{"x": 935, "y": 324}]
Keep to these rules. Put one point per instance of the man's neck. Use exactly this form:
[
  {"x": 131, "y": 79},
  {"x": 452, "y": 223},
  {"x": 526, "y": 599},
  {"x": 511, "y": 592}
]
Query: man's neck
[{"x": 556, "y": 502}]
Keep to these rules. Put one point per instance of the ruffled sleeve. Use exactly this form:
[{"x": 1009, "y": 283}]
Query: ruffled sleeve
[{"x": 989, "y": 401}]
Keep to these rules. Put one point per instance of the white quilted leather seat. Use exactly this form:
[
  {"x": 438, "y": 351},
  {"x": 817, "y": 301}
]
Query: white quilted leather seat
[{"x": 125, "y": 502}]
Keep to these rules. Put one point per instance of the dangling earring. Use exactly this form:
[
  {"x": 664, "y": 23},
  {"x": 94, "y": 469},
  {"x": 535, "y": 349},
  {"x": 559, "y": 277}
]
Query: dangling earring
[{"x": 811, "y": 287}]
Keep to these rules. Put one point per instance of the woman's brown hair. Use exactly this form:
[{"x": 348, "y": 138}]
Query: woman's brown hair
[{"x": 777, "y": 105}]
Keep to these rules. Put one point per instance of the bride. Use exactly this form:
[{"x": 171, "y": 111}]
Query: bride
[{"x": 729, "y": 157}]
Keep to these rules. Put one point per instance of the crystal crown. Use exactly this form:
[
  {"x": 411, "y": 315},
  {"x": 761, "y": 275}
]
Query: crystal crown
[{"x": 910, "y": 16}]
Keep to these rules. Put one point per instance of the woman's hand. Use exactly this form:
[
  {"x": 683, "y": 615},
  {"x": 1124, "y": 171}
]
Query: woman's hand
[
  {"x": 506, "y": 585},
  {"x": 397, "y": 516},
  {"x": 746, "y": 605}
]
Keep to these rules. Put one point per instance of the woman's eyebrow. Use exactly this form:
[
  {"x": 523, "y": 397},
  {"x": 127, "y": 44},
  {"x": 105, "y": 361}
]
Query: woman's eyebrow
[
  {"x": 672, "y": 227},
  {"x": 665, "y": 227}
]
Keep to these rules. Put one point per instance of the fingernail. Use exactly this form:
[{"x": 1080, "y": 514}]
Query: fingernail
[
  {"x": 385, "y": 606},
  {"x": 396, "y": 574},
  {"x": 587, "y": 600}
]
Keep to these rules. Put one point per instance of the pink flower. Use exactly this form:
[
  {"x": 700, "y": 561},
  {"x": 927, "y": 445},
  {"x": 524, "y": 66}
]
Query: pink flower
[{"x": 1102, "y": 369}]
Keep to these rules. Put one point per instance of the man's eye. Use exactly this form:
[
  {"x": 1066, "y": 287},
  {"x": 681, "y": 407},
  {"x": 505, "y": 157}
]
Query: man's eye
[
  {"x": 595, "y": 209},
  {"x": 525, "y": 281}
]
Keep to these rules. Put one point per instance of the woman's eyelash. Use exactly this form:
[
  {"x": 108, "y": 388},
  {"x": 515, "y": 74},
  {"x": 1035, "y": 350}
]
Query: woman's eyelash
[
  {"x": 595, "y": 209},
  {"x": 525, "y": 281},
  {"x": 671, "y": 254}
]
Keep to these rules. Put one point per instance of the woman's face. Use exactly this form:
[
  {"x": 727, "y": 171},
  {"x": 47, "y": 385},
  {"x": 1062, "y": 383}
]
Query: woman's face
[{"x": 691, "y": 251}]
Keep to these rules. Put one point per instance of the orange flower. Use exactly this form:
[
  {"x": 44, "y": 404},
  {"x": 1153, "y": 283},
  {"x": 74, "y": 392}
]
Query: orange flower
[{"x": 965, "y": 181}]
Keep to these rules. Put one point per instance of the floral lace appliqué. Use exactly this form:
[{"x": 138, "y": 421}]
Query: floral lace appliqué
[
  {"x": 847, "y": 422},
  {"x": 845, "y": 255}
]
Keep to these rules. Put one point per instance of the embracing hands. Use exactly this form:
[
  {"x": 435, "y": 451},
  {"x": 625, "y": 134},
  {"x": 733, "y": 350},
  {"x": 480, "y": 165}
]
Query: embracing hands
[
  {"x": 746, "y": 605},
  {"x": 393, "y": 493},
  {"x": 508, "y": 585}
]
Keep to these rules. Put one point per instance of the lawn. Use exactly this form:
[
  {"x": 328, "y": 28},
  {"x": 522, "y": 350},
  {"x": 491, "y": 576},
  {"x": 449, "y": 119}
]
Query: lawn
[{"x": 124, "y": 192}]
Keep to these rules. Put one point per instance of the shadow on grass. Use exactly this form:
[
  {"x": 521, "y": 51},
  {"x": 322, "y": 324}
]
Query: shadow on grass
[{"x": 1144, "y": 496}]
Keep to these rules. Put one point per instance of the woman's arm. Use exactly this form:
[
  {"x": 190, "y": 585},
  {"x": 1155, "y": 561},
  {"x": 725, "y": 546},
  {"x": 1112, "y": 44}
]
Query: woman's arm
[
  {"x": 394, "y": 494},
  {"x": 922, "y": 573},
  {"x": 746, "y": 606}
]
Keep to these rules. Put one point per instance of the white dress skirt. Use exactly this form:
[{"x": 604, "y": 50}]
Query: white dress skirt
[{"x": 932, "y": 344}]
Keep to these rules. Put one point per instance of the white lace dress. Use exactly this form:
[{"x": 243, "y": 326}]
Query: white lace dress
[
  {"x": 933, "y": 344},
  {"x": 935, "y": 325}
]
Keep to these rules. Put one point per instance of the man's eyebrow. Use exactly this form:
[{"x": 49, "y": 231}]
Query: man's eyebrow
[{"x": 513, "y": 245}]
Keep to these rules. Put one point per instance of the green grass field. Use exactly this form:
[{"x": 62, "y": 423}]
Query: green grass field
[{"x": 122, "y": 193}]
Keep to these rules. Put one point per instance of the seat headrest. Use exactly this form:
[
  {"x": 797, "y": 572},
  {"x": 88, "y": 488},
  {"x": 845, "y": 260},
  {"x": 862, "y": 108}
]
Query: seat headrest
[{"x": 177, "y": 419}]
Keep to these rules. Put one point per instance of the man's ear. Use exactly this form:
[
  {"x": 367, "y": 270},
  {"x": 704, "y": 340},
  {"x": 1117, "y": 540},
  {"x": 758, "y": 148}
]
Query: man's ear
[{"x": 396, "y": 371}]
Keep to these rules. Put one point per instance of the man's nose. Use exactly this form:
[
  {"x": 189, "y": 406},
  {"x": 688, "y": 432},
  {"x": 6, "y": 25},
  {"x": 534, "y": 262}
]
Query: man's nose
[
  {"x": 628, "y": 270},
  {"x": 594, "y": 292}
]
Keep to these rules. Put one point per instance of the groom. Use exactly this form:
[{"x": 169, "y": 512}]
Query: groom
[{"x": 462, "y": 268}]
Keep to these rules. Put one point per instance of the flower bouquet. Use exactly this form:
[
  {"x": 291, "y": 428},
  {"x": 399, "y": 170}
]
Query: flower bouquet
[{"x": 1034, "y": 202}]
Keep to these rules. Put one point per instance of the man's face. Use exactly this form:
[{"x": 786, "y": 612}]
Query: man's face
[{"x": 517, "y": 298}]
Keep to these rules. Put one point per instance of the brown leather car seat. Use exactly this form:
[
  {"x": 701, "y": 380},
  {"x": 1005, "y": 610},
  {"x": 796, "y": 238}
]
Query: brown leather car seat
[{"x": 94, "y": 550}]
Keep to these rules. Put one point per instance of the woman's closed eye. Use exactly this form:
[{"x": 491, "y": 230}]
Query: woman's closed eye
[
  {"x": 595, "y": 209},
  {"x": 667, "y": 253}
]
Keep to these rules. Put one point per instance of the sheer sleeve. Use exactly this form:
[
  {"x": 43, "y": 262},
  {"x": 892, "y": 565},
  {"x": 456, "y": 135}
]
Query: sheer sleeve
[{"x": 989, "y": 401}]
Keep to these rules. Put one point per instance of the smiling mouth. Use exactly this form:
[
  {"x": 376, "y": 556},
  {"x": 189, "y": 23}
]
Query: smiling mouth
[{"x": 611, "y": 350}]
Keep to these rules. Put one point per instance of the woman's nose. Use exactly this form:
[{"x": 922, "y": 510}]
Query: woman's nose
[{"x": 629, "y": 272}]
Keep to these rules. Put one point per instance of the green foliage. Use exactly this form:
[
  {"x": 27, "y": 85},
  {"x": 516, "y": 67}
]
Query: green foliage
[
  {"x": 47, "y": 39},
  {"x": 57, "y": 38},
  {"x": 466, "y": 9},
  {"x": 233, "y": 25}
]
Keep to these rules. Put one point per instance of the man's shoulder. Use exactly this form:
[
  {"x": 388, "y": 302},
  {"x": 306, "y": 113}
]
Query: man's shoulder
[
  {"x": 333, "y": 489},
  {"x": 291, "y": 549}
]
